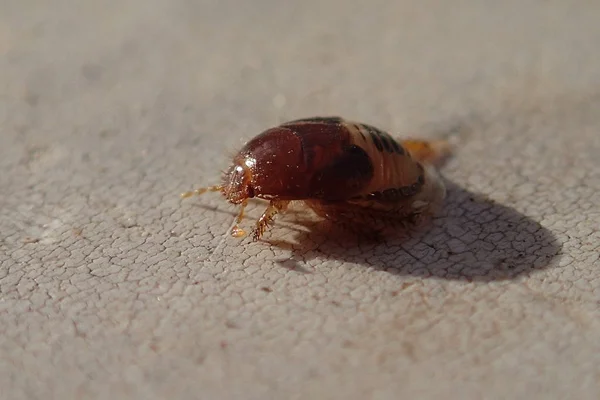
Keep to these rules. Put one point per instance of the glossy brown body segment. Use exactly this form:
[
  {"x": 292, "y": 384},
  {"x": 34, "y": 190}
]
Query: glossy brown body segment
[
  {"x": 304, "y": 160},
  {"x": 350, "y": 173}
]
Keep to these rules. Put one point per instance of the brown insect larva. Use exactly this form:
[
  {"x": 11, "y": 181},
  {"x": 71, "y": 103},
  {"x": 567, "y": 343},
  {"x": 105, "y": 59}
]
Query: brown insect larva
[{"x": 352, "y": 174}]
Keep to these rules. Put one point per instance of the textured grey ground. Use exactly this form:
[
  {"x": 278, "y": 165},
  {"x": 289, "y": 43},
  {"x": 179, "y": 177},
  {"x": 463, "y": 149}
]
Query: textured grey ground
[{"x": 112, "y": 288}]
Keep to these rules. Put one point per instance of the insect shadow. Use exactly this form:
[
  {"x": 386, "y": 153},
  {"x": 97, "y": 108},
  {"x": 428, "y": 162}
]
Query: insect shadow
[{"x": 472, "y": 239}]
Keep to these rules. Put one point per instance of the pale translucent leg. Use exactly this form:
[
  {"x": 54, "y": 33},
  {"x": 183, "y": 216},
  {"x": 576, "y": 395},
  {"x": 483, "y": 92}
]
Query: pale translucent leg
[
  {"x": 266, "y": 219},
  {"x": 428, "y": 151},
  {"x": 236, "y": 231}
]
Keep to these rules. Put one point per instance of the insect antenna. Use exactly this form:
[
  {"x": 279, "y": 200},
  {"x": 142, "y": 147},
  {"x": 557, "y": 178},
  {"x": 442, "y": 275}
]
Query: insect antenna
[{"x": 202, "y": 190}]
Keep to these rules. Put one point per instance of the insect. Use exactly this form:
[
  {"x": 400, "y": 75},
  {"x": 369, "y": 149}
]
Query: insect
[{"x": 352, "y": 174}]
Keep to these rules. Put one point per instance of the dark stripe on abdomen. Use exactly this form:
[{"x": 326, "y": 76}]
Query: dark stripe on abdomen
[
  {"x": 383, "y": 140},
  {"x": 393, "y": 195},
  {"x": 323, "y": 120}
]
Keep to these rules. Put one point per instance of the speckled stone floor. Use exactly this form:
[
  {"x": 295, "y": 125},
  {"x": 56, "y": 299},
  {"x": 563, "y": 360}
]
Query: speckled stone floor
[{"x": 112, "y": 288}]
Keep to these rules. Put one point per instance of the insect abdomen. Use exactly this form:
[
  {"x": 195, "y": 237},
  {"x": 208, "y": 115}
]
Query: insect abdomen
[{"x": 394, "y": 172}]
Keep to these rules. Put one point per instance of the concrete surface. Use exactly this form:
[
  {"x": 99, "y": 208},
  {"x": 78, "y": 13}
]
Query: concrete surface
[{"x": 112, "y": 288}]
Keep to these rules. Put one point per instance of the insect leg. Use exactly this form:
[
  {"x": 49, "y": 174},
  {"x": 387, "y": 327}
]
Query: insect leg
[
  {"x": 236, "y": 231},
  {"x": 240, "y": 216},
  {"x": 266, "y": 219},
  {"x": 429, "y": 151},
  {"x": 347, "y": 217},
  {"x": 202, "y": 190},
  {"x": 364, "y": 230},
  {"x": 366, "y": 221}
]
